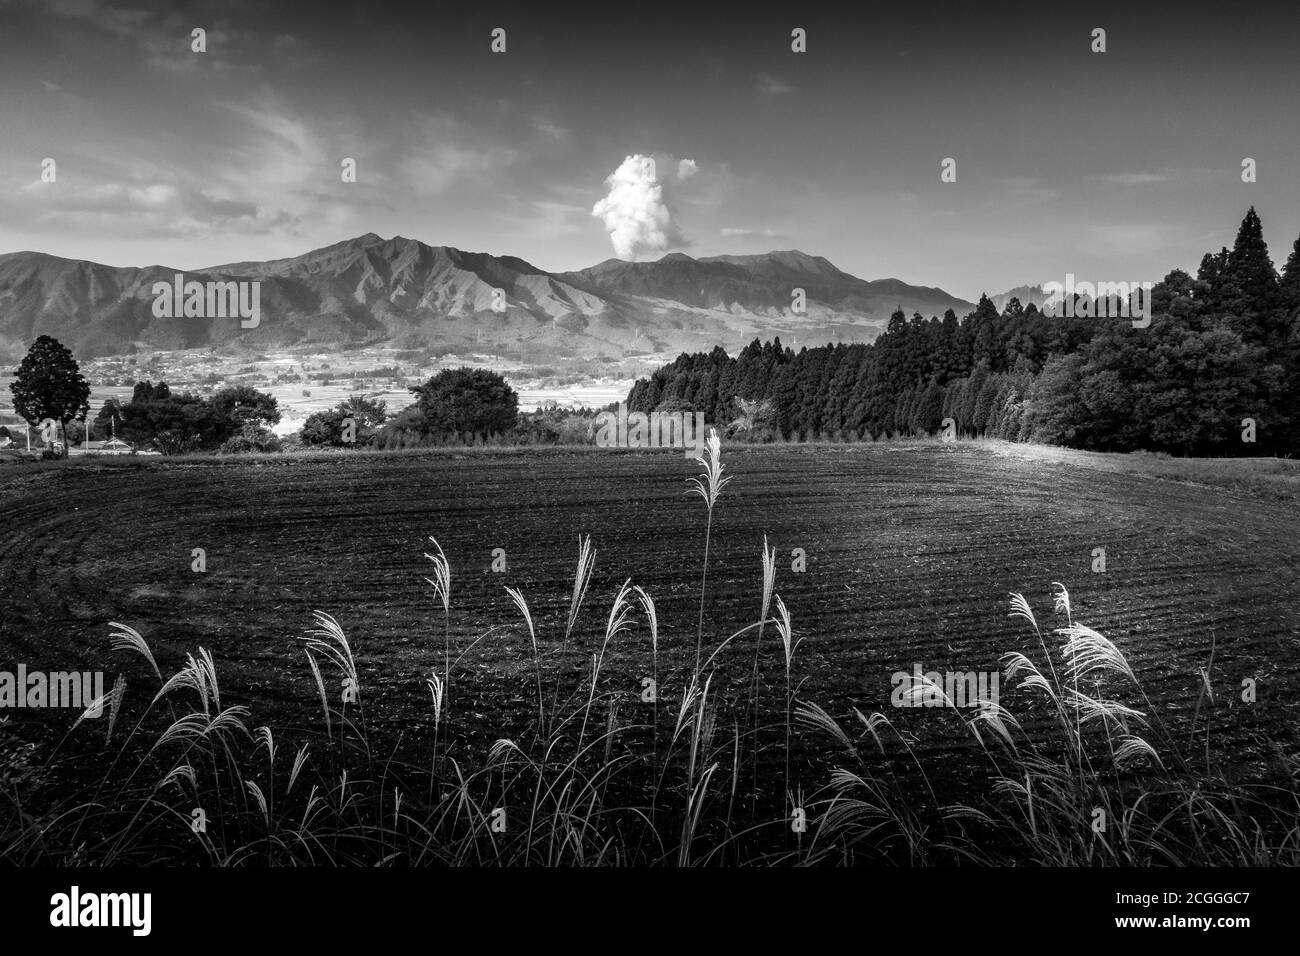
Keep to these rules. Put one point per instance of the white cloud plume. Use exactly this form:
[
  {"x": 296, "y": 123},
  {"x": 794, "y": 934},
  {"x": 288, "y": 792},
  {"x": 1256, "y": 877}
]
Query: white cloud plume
[{"x": 636, "y": 211}]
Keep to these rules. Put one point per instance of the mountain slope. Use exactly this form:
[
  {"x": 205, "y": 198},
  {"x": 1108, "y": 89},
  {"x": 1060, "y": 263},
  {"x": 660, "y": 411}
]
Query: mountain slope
[
  {"x": 763, "y": 284},
  {"x": 406, "y": 293},
  {"x": 1027, "y": 294}
]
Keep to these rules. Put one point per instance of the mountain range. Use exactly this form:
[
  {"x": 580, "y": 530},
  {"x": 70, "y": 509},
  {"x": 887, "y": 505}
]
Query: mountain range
[
  {"x": 1027, "y": 294},
  {"x": 370, "y": 290}
]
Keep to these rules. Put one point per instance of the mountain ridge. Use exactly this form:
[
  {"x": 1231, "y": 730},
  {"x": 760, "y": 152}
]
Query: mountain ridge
[{"x": 368, "y": 289}]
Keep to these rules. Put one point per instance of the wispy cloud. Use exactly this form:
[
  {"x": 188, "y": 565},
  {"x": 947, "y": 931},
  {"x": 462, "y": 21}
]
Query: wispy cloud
[
  {"x": 136, "y": 210},
  {"x": 1134, "y": 179},
  {"x": 1028, "y": 190},
  {"x": 549, "y": 129},
  {"x": 730, "y": 232},
  {"x": 447, "y": 151},
  {"x": 164, "y": 40},
  {"x": 770, "y": 85},
  {"x": 1130, "y": 239},
  {"x": 545, "y": 219}
]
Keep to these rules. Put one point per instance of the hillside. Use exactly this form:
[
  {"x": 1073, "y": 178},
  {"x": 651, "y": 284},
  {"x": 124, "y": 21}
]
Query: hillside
[{"x": 403, "y": 292}]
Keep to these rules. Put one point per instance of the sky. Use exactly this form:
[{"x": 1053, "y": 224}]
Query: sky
[{"x": 1112, "y": 166}]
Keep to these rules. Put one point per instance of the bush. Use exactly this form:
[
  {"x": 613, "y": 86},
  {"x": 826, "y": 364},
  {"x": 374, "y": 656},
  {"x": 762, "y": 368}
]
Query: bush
[{"x": 252, "y": 438}]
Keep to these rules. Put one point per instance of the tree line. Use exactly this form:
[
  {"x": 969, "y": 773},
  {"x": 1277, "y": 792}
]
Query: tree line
[
  {"x": 1216, "y": 371},
  {"x": 462, "y": 406}
]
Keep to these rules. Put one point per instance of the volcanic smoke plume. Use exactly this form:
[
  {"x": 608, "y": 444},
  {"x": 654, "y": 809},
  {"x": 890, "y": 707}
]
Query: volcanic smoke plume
[{"x": 636, "y": 210}]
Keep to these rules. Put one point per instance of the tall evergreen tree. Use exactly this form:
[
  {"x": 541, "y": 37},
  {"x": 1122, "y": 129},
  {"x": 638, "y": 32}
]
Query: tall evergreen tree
[
  {"x": 49, "y": 385},
  {"x": 1289, "y": 286},
  {"x": 1250, "y": 286},
  {"x": 1209, "y": 282}
]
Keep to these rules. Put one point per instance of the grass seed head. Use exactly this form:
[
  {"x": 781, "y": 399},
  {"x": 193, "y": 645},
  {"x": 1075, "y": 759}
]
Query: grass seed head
[
  {"x": 710, "y": 484},
  {"x": 441, "y": 579}
]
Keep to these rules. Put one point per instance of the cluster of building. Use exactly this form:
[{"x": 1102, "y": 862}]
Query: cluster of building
[{"x": 17, "y": 435}]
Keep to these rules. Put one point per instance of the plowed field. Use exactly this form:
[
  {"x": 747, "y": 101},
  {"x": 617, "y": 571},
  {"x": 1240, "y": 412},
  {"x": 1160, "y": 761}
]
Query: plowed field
[{"x": 911, "y": 552}]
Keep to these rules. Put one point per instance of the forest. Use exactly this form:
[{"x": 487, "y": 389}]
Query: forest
[{"x": 1216, "y": 372}]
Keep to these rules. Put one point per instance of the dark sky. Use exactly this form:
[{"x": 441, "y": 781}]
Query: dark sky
[{"x": 1113, "y": 166}]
